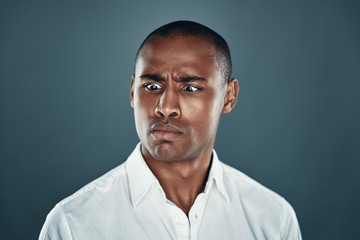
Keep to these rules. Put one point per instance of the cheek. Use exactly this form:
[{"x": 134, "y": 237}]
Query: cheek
[
  {"x": 143, "y": 110},
  {"x": 203, "y": 114},
  {"x": 144, "y": 103}
]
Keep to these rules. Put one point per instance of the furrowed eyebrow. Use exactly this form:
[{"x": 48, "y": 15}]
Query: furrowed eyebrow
[
  {"x": 158, "y": 78},
  {"x": 190, "y": 79},
  {"x": 154, "y": 77}
]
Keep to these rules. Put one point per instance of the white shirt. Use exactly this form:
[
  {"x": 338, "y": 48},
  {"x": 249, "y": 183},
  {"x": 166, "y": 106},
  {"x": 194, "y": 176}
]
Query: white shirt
[{"x": 129, "y": 203}]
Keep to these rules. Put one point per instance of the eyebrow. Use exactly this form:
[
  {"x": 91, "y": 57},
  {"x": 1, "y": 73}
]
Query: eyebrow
[
  {"x": 190, "y": 79},
  {"x": 154, "y": 77},
  {"x": 158, "y": 78}
]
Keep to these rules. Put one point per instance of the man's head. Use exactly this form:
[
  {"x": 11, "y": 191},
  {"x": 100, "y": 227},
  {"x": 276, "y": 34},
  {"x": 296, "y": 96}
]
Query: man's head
[
  {"x": 193, "y": 29},
  {"x": 178, "y": 91}
]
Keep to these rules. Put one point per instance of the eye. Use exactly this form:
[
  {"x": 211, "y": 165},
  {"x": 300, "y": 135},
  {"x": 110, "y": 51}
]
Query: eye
[
  {"x": 152, "y": 86},
  {"x": 190, "y": 88}
]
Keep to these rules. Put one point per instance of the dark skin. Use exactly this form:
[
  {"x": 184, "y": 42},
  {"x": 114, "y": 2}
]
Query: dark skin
[{"x": 178, "y": 95}]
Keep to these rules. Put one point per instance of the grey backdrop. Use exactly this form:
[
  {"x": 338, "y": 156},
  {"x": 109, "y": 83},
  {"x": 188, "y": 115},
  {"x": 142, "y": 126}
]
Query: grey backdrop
[{"x": 65, "y": 69}]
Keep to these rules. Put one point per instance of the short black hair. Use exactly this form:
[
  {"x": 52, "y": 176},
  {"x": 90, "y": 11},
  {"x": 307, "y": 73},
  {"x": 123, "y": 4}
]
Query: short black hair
[{"x": 194, "y": 29}]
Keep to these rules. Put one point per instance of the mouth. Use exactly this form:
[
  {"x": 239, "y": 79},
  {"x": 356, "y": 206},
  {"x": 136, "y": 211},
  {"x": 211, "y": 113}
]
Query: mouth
[{"x": 165, "y": 132}]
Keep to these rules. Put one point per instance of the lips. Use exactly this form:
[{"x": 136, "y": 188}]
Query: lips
[{"x": 166, "y": 132}]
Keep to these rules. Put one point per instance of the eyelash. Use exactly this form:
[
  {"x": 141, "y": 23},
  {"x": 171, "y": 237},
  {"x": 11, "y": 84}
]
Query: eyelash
[
  {"x": 189, "y": 86},
  {"x": 148, "y": 86}
]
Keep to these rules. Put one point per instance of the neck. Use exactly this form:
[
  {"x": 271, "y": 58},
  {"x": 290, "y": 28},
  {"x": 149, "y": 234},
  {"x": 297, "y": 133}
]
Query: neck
[{"x": 182, "y": 181}]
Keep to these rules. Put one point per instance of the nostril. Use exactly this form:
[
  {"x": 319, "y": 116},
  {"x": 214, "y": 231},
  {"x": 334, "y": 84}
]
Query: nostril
[{"x": 159, "y": 113}]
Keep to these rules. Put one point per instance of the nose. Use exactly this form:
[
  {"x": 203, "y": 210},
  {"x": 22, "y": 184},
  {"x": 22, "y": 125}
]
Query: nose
[{"x": 168, "y": 105}]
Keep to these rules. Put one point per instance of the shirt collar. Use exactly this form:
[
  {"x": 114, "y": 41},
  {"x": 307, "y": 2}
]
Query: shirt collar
[
  {"x": 141, "y": 178},
  {"x": 216, "y": 175}
]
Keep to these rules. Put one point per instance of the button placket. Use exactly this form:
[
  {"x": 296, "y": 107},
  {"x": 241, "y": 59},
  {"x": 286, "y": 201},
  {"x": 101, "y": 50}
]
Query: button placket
[
  {"x": 182, "y": 225},
  {"x": 195, "y": 214}
]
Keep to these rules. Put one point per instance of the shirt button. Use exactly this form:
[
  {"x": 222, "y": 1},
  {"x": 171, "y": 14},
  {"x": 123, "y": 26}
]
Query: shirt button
[{"x": 178, "y": 217}]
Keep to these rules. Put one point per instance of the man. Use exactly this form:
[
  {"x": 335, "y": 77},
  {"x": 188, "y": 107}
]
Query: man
[{"x": 173, "y": 185}]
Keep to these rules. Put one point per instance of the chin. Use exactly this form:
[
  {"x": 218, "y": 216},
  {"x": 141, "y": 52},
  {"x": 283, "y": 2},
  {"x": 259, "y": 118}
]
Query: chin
[{"x": 167, "y": 152}]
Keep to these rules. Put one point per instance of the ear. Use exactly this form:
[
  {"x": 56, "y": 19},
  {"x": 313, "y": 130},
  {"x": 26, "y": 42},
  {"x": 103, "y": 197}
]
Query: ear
[
  {"x": 231, "y": 95},
  {"x": 132, "y": 91}
]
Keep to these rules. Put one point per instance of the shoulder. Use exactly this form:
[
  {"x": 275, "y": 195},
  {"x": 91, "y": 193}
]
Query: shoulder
[
  {"x": 260, "y": 204},
  {"x": 98, "y": 188},
  {"x": 82, "y": 205},
  {"x": 56, "y": 225},
  {"x": 242, "y": 186}
]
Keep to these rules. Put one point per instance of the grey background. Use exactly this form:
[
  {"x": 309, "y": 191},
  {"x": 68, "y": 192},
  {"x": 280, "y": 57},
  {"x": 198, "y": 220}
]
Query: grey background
[{"x": 65, "y": 69}]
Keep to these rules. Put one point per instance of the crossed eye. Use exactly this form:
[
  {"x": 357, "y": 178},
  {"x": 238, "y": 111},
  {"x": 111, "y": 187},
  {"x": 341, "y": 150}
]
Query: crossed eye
[
  {"x": 156, "y": 86},
  {"x": 152, "y": 86},
  {"x": 190, "y": 88}
]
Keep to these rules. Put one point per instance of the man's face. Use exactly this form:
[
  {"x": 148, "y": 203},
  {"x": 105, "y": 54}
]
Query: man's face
[{"x": 178, "y": 96}]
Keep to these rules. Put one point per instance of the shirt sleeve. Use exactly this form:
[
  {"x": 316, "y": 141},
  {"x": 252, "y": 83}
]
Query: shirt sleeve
[
  {"x": 291, "y": 229},
  {"x": 56, "y": 226}
]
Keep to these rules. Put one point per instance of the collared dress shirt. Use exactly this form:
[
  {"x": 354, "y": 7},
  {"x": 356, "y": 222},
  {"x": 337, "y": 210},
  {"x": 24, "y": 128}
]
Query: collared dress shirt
[{"x": 129, "y": 203}]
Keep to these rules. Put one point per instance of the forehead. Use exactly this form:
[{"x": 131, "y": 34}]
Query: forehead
[{"x": 178, "y": 53}]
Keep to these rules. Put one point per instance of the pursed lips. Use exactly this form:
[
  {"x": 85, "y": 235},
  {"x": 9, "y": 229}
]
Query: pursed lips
[{"x": 165, "y": 132}]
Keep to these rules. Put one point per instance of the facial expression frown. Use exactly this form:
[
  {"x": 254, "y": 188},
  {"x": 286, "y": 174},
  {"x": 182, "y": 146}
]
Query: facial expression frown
[{"x": 178, "y": 95}]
